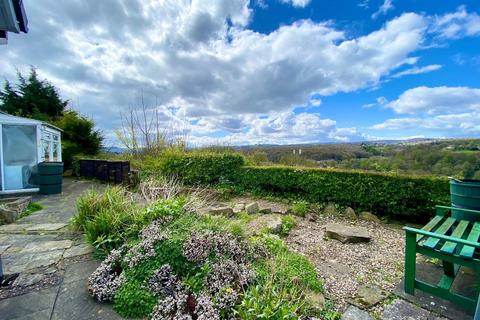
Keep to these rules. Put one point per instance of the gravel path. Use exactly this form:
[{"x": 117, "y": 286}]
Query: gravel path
[{"x": 344, "y": 267}]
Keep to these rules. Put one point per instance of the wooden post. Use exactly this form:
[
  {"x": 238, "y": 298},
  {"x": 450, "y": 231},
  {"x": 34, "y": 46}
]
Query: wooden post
[{"x": 410, "y": 262}]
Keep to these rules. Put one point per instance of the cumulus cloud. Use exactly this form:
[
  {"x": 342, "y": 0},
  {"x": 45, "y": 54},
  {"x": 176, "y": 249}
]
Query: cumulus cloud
[
  {"x": 383, "y": 9},
  {"x": 297, "y": 3},
  {"x": 200, "y": 57},
  {"x": 437, "y": 100},
  {"x": 456, "y": 25},
  {"x": 417, "y": 70}
]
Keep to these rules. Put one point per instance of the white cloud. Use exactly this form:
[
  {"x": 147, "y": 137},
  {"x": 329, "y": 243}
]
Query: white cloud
[
  {"x": 315, "y": 102},
  {"x": 454, "y": 124},
  {"x": 417, "y": 70},
  {"x": 383, "y": 9},
  {"x": 456, "y": 25},
  {"x": 297, "y": 3},
  {"x": 437, "y": 100}
]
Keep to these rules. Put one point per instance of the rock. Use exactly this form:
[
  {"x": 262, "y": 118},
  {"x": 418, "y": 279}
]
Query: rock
[
  {"x": 239, "y": 207},
  {"x": 330, "y": 210},
  {"x": 252, "y": 208},
  {"x": 311, "y": 217},
  {"x": 346, "y": 233},
  {"x": 282, "y": 211},
  {"x": 27, "y": 279},
  {"x": 271, "y": 222},
  {"x": 367, "y": 216},
  {"x": 369, "y": 295},
  {"x": 316, "y": 299},
  {"x": 47, "y": 227},
  {"x": 3, "y": 248},
  {"x": 266, "y": 210},
  {"x": 400, "y": 309},
  {"x": 12, "y": 208},
  {"x": 34, "y": 247},
  {"x": 350, "y": 214},
  {"x": 353, "y": 313},
  {"x": 79, "y": 250},
  {"x": 222, "y": 211}
]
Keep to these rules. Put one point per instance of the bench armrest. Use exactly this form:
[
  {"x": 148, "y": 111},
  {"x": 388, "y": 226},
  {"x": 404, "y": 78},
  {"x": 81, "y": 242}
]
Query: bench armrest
[{"x": 442, "y": 237}]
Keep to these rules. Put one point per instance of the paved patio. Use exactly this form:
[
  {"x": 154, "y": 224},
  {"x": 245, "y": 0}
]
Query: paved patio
[{"x": 52, "y": 260}]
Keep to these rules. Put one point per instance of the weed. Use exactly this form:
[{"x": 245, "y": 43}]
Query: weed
[{"x": 300, "y": 208}]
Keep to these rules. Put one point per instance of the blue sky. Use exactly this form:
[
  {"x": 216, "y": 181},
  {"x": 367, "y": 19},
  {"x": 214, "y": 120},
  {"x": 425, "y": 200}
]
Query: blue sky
[{"x": 242, "y": 72}]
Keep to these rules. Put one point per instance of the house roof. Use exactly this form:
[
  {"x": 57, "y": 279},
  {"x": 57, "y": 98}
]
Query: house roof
[{"x": 6, "y": 118}]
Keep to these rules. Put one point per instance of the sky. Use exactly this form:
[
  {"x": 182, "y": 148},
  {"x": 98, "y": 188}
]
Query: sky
[{"x": 239, "y": 72}]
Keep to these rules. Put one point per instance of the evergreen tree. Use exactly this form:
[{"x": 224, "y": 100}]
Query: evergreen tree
[{"x": 38, "y": 99}]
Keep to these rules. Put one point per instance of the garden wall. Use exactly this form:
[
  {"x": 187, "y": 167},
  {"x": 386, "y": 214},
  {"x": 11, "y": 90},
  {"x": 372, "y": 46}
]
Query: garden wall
[{"x": 402, "y": 196}]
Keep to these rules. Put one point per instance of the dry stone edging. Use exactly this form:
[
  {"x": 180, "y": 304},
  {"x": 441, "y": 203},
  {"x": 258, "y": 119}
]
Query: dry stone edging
[
  {"x": 346, "y": 234},
  {"x": 12, "y": 208}
]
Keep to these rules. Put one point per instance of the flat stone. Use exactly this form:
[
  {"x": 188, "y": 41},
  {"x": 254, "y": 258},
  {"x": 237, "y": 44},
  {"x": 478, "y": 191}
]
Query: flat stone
[
  {"x": 354, "y": 313},
  {"x": 47, "y": 246},
  {"x": 368, "y": 216},
  {"x": 315, "y": 299},
  {"x": 239, "y": 207},
  {"x": 79, "y": 250},
  {"x": 47, "y": 227},
  {"x": 80, "y": 271},
  {"x": 3, "y": 249},
  {"x": 403, "y": 310},
  {"x": 74, "y": 302},
  {"x": 350, "y": 214},
  {"x": 270, "y": 222},
  {"x": 27, "y": 279},
  {"x": 368, "y": 295},
  {"x": 252, "y": 208},
  {"x": 34, "y": 305},
  {"x": 265, "y": 210},
  {"x": 222, "y": 211},
  {"x": 282, "y": 211},
  {"x": 346, "y": 233},
  {"x": 14, "y": 227},
  {"x": 18, "y": 263}
]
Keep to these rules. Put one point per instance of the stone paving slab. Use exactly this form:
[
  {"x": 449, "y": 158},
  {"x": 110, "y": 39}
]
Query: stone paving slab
[
  {"x": 34, "y": 247},
  {"x": 3, "y": 248},
  {"x": 36, "y": 305},
  {"x": 80, "y": 271},
  {"x": 14, "y": 228},
  {"x": 79, "y": 250},
  {"x": 403, "y": 310},
  {"x": 354, "y": 313},
  {"x": 47, "y": 227},
  {"x": 18, "y": 263}
]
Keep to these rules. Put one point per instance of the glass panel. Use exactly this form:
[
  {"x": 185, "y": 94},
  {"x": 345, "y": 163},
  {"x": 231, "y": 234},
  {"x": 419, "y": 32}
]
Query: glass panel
[
  {"x": 46, "y": 150},
  {"x": 55, "y": 137},
  {"x": 55, "y": 151},
  {"x": 20, "y": 156}
]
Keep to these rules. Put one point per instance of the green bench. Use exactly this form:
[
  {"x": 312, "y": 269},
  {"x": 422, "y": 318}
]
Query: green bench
[{"x": 451, "y": 240}]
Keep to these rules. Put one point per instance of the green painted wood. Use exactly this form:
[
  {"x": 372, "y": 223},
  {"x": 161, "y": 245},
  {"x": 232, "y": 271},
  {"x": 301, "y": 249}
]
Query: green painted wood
[
  {"x": 455, "y": 259},
  {"x": 449, "y": 247},
  {"x": 430, "y": 225},
  {"x": 443, "y": 229},
  {"x": 410, "y": 262},
  {"x": 467, "y": 251},
  {"x": 465, "y": 302},
  {"x": 446, "y": 282}
]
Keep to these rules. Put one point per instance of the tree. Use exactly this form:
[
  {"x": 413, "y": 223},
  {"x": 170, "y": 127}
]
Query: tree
[{"x": 38, "y": 99}]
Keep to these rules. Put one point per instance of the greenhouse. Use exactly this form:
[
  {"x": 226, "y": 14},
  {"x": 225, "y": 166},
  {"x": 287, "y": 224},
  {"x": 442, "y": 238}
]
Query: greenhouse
[{"x": 24, "y": 143}]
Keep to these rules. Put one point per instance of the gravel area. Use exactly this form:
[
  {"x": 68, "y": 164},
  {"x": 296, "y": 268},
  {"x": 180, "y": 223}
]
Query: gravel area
[{"x": 344, "y": 267}]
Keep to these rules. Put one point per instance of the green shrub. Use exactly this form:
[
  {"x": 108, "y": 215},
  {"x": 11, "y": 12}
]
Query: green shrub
[
  {"x": 111, "y": 218},
  {"x": 31, "y": 208},
  {"x": 382, "y": 194},
  {"x": 300, "y": 208},
  {"x": 202, "y": 168},
  {"x": 133, "y": 300},
  {"x": 288, "y": 222}
]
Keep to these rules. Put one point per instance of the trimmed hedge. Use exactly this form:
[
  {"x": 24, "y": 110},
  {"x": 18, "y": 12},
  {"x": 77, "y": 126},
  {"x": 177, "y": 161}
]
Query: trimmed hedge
[
  {"x": 202, "y": 168},
  {"x": 383, "y": 194}
]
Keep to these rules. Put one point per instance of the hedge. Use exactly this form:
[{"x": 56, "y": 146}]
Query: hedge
[
  {"x": 202, "y": 168},
  {"x": 383, "y": 194}
]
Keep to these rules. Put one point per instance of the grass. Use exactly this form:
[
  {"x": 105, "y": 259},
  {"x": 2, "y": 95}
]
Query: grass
[{"x": 31, "y": 208}]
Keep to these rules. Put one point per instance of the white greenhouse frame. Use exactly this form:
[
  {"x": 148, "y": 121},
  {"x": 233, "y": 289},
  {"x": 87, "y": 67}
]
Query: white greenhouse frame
[{"x": 47, "y": 137}]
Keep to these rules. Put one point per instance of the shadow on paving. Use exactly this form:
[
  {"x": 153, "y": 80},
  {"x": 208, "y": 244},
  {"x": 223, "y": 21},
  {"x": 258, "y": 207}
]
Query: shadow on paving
[{"x": 432, "y": 273}]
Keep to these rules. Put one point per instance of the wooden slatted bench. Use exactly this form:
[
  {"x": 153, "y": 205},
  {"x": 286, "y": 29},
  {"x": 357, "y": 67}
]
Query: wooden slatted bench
[{"x": 453, "y": 241}]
